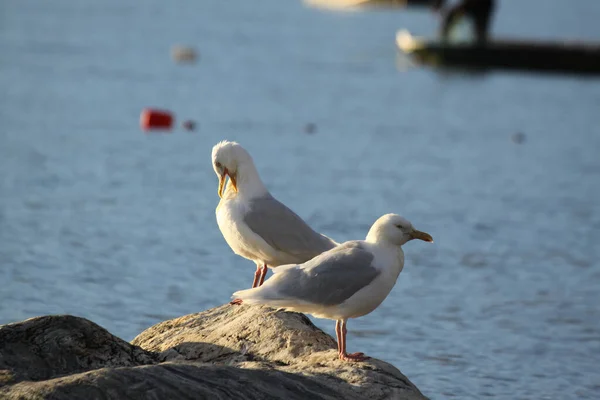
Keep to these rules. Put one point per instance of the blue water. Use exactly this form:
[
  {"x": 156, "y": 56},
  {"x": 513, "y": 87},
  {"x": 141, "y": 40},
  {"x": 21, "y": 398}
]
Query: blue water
[{"x": 100, "y": 220}]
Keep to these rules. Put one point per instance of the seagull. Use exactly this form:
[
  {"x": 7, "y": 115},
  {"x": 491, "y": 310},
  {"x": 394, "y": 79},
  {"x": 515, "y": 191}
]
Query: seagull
[
  {"x": 348, "y": 281},
  {"x": 254, "y": 224}
]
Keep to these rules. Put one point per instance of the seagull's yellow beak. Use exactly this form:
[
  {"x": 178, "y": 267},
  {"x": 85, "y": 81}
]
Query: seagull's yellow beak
[
  {"x": 421, "y": 236},
  {"x": 222, "y": 180}
]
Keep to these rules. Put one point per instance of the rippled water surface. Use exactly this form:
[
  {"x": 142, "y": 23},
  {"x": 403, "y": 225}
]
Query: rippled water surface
[{"x": 100, "y": 220}]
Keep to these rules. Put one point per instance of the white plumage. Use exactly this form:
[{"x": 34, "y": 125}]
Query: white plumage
[
  {"x": 254, "y": 224},
  {"x": 348, "y": 281}
]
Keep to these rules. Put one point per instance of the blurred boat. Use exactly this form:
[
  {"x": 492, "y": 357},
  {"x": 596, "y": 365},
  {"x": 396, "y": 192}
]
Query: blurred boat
[
  {"x": 564, "y": 57},
  {"x": 366, "y": 4}
]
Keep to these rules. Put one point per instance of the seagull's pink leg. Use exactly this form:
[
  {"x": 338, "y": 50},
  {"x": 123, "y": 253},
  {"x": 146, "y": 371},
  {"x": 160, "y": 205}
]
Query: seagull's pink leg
[
  {"x": 236, "y": 302},
  {"x": 338, "y": 336},
  {"x": 345, "y": 356},
  {"x": 256, "y": 277},
  {"x": 263, "y": 274}
]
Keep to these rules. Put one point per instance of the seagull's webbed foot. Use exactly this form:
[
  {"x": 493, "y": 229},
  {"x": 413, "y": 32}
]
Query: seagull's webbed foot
[{"x": 236, "y": 302}]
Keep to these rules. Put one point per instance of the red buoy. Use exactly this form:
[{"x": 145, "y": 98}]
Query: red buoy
[{"x": 155, "y": 119}]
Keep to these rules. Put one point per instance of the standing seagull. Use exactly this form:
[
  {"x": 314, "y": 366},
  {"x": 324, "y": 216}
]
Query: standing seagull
[
  {"x": 255, "y": 225},
  {"x": 348, "y": 281}
]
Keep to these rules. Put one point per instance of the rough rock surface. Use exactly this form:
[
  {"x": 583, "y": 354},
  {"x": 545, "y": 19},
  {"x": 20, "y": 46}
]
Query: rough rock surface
[
  {"x": 228, "y": 352},
  {"x": 45, "y": 347}
]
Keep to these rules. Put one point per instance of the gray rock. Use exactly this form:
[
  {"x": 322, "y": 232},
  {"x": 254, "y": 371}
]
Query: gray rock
[
  {"x": 180, "y": 381},
  {"x": 229, "y": 352},
  {"x": 47, "y": 347}
]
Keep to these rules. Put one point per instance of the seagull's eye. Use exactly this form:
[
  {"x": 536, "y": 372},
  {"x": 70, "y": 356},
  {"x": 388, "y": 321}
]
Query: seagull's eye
[
  {"x": 218, "y": 165},
  {"x": 399, "y": 227}
]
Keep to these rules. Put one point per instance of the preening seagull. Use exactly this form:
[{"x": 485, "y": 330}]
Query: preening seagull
[
  {"x": 348, "y": 281},
  {"x": 255, "y": 225}
]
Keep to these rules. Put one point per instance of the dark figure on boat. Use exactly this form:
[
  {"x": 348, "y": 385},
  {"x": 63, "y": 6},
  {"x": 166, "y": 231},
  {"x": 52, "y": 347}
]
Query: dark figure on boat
[{"x": 480, "y": 12}]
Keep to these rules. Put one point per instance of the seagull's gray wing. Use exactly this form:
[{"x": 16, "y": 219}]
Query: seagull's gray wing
[
  {"x": 285, "y": 231},
  {"x": 330, "y": 278}
]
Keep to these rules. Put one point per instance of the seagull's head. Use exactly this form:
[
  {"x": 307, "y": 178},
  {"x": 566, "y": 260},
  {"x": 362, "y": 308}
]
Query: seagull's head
[
  {"x": 227, "y": 158},
  {"x": 396, "y": 230}
]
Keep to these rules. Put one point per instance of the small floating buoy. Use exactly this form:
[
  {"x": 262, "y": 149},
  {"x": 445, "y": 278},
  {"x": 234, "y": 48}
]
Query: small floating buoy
[
  {"x": 183, "y": 54},
  {"x": 518, "y": 138},
  {"x": 189, "y": 125},
  {"x": 155, "y": 119},
  {"x": 310, "y": 128}
]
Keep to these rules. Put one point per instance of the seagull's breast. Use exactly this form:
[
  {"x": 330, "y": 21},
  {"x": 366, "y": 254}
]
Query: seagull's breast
[
  {"x": 230, "y": 218},
  {"x": 389, "y": 261}
]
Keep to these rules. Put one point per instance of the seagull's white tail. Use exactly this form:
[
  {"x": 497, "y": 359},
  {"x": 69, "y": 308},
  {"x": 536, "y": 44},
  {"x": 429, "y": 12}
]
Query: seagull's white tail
[
  {"x": 260, "y": 296},
  {"x": 251, "y": 296},
  {"x": 268, "y": 294}
]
